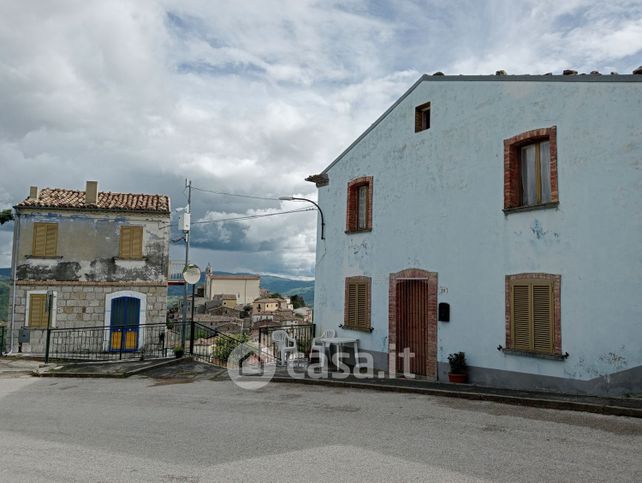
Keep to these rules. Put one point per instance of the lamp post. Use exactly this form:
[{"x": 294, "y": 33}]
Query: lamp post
[
  {"x": 294, "y": 198},
  {"x": 191, "y": 275}
]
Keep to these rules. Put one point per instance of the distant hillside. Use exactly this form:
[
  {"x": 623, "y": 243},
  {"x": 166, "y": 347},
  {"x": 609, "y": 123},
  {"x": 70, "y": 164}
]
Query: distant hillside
[
  {"x": 284, "y": 286},
  {"x": 288, "y": 286},
  {"x": 4, "y": 294}
]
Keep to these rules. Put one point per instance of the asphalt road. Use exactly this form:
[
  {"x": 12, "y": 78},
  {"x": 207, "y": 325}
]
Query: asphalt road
[{"x": 204, "y": 430}]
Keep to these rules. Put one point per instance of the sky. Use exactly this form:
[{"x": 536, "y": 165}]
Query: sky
[{"x": 251, "y": 97}]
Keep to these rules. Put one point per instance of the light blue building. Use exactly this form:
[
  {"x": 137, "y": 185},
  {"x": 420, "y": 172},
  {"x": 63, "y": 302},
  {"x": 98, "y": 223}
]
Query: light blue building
[{"x": 500, "y": 216}]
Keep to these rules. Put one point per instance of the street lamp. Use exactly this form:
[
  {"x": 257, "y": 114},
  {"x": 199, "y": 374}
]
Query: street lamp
[
  {"x": 191, "y": 275},
  {"x": 293, "y": 198}
]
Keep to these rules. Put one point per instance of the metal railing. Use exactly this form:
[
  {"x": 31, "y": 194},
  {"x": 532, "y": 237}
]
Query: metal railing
[
  {"x": 303, "y": 333},
  {"x": 153, "y": 341},
  {"x": 106, "y": 343}
]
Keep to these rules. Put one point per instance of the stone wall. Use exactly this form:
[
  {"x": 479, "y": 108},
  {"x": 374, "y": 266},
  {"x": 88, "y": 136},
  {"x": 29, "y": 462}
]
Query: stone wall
[{"x": 83, "y": 305}]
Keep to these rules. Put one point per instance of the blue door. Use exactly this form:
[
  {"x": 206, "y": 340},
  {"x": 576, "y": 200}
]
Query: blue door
[{"x": 124, "y": 324}]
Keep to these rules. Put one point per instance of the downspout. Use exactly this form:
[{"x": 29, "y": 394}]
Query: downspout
[{"x": 14, "y": 265}]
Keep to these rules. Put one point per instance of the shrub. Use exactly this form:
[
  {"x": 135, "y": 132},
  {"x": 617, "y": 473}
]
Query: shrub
[{"x": 457, "y": 363}]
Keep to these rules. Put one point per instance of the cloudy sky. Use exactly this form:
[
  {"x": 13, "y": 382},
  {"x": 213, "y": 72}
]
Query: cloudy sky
[{"x": 250, "y": 97}]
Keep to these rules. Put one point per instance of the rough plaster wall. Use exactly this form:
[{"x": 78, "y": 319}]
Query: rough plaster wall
[
  {"x": 89, "y": 246},
  {"x": 438, "y": 198},
  {"x": 247, "y": 290}
]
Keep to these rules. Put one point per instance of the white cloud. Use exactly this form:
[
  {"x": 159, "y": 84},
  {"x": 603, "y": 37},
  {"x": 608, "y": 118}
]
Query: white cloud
[{"x": 251, "y": 97}]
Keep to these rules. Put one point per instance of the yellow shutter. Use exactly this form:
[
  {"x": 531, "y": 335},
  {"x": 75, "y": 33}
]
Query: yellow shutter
[
  {"x": 51, "y": 244},
  {"x": 137, "y": 241},
  {"x": 125, "y": 242},
  {"x": 45, "y": 239},
  {"x": 131, "y": 242},
  {"x": 521, "y": 317},
  {"x": 542, "y": 318},
  {"x": 38, "y": 315}
]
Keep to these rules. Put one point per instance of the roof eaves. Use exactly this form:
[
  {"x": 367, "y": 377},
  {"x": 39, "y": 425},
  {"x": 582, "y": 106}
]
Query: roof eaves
[{"x": 374, "y": 124}]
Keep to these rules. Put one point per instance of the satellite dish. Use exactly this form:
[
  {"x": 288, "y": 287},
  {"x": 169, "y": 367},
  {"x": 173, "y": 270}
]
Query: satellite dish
[{"x": 191, "y": 274}]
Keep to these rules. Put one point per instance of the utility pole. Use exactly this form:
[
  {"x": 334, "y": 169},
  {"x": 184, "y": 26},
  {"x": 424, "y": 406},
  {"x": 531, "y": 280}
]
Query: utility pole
[{"x": 185, "y": 226}]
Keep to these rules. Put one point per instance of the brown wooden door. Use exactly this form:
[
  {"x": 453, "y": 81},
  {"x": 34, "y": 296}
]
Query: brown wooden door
[{"x": 412, "y": 323}]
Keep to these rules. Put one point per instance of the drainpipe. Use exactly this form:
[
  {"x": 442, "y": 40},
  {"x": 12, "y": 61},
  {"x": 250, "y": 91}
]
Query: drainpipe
[{"x": 14, "y": 265}]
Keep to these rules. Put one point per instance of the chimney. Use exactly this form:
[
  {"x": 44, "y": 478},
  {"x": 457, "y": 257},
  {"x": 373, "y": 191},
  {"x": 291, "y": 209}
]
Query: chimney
[
  {"x": 33, "y": 193},
  {"x": 91, "y": 193}
]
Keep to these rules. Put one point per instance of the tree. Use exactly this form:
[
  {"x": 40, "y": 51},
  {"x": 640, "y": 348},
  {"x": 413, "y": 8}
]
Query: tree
[
  {"x": 5, "y": 216},
  {"x": 297, "y": 301},
  {"x": 275, "y": 295}
]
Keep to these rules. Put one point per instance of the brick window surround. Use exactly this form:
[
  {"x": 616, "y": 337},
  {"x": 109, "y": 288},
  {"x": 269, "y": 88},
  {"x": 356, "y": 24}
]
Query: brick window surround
[
  {"x": 555, "y": 281},
  {"x": 357, "y": 306},
  {"x": 512, "y": 166},
  {"x": 431, "y": 329},
  {"x": 352, "y": 205}
]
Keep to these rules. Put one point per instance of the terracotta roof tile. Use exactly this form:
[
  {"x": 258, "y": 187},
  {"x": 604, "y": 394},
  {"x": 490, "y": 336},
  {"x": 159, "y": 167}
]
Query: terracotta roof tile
[{"x": 75, "y": 199}]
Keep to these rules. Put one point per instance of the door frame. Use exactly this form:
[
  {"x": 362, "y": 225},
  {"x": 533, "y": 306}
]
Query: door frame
[
  {"x": 431, "y": 329},
  {"x": 141, "y": 316}
]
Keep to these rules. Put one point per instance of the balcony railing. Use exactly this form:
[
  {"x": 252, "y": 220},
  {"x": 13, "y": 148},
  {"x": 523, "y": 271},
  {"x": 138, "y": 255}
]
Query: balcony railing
[{"x": 175, "y": 275}]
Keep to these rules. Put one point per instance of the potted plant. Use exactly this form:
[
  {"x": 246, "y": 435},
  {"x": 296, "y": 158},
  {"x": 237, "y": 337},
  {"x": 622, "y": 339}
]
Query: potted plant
[
  {"x": 458, "y": 372},
  {"x": 179, "y": 351}
]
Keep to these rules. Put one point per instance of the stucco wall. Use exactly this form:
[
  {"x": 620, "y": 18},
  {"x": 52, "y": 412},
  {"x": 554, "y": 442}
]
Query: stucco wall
[
  {"x": 88, "y": 247},
  {"x": 438, "y": 199},
  {"x": 245, "y": 290}
]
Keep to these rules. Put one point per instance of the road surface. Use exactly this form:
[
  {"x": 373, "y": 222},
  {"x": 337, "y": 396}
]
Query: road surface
[{"x": 210, "y": 430}]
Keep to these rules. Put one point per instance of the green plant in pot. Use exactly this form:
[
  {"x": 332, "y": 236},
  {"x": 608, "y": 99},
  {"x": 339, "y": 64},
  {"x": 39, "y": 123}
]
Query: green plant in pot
[
  {"x": 179, "y": 351},
  {"x": 458, "y": 368}
]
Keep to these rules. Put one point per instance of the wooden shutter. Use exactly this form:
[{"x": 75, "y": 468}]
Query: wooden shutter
[
  {"x": 38, "y": 315},
  {"x": 131, "y": 242},
  {"x": 521, "y": 317},
  {"x": 45, "y": 239},
  {"x": 358, "y": 304},
  {"x": 542, "y": 318},
  {"x": 532, "y": 316},
  {"x": 362, "y": 306},
  {"x": 352, "y": 304},
  {"x": 137, "y": 242}
]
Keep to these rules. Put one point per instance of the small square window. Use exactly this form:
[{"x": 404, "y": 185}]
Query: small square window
[{"x": 422, "y": 117}]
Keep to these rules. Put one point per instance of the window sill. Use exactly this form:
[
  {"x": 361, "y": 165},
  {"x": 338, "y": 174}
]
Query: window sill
[
  {"x": 121, "y": 259},
  {"x": 353, "y": 232},
  {"x": 537, "y": 355},
  {"x": 42, "y": 257},
  {"x": 359, "y": 329},
  {"x": 543, "y": 206}
]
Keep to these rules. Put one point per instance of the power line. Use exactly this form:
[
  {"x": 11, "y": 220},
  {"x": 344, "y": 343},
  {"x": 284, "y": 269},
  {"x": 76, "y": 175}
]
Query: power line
[
  {"x": 249, "y": 217},
  {"x": 235, "y": 195}
]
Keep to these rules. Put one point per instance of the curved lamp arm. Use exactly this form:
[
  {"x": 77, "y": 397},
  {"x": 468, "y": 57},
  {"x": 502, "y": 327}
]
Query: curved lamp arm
[{"x": 293, "y": 198}]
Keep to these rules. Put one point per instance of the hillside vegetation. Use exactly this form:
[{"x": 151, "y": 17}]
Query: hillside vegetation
[{"x": 4, "y": 299}]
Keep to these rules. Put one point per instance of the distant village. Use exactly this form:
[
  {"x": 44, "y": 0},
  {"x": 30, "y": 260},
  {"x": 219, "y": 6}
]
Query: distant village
[{"x": 237, "y": 304}]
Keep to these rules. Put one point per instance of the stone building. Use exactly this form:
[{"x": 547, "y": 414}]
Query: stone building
[
  {"x": 495, "y": 215},
  {"x": 102, "y": 255}
]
